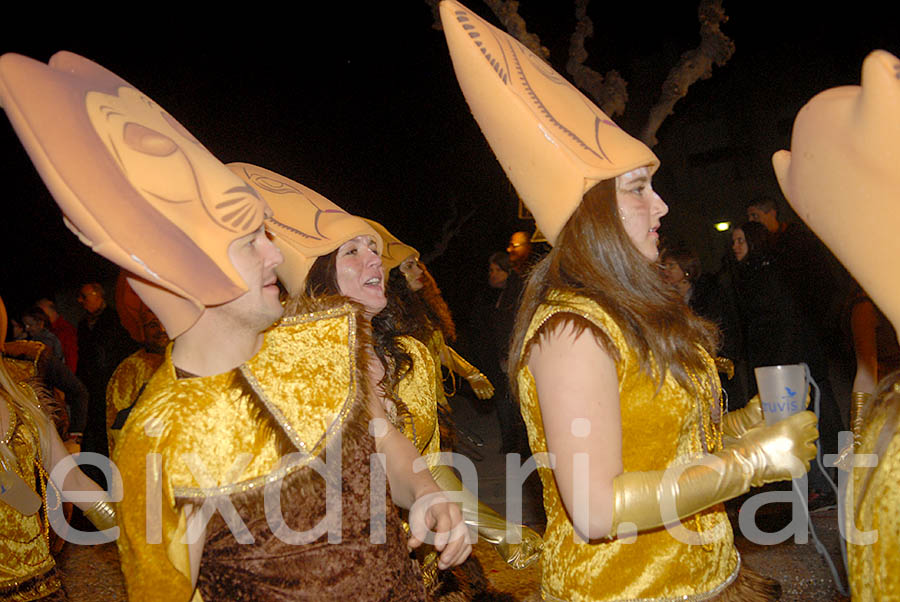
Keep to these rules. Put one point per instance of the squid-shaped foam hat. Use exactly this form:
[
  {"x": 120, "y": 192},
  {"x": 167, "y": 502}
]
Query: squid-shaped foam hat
[
  {"x": 394, "y": 252},
  {"x": 304, "y": 225},
  {"x": 553, "y": 143},
  {"x": 842, "y": 176},
  {"x": 132, "y": 182}
]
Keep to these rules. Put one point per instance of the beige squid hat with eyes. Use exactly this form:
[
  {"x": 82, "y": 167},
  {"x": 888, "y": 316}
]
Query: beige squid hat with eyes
[
  {"x": 553, "y": 143},
  {"x": 304, "y": 224},
  {"x": 132, "y": 182},
  {"x": 394, "y": 252},
  {"x": 842, "y": 176}
]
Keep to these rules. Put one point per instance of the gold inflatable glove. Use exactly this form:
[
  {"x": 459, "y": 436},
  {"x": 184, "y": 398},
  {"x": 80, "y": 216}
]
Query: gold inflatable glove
[
  {"x": 478, "y": 381},
  {"x": 132, "y": 182},
  {"x": 394, "y": 252},
  {"x": 763, "y": 454},
  {"x": 304, "y": 224},
  {"x": 841, "y": 175},
  {"x": 553, "y": 143},
  {"x": 738, "y": 422},
  {"x": 491, "y": 526},
  {"x": 102, "y": 515}
]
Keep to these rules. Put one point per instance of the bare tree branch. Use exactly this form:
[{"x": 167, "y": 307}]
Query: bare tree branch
[
  {"x": 508, "y": 13},
  {"x": 449, "y": 229},
  {"x": 715, "y": 48},
  {"x": 435, "y": 13},
  {"x": 610, "y": 92}
]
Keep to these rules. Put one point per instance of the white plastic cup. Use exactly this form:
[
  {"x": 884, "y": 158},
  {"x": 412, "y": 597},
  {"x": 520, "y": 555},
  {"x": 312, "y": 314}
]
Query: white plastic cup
[{"x": 782, "y": 390}]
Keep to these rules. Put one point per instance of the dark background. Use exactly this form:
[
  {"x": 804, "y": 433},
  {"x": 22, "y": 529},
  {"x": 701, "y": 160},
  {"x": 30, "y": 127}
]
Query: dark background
[{"x": 359, "y": 102}]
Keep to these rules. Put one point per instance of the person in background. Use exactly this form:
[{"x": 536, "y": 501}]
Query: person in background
[
  {"x": 102, "y": 345},
  {"x": 35, "y": 322},
  {"x": 64, "y": 331},
  {"x": 520, "y": 253}
]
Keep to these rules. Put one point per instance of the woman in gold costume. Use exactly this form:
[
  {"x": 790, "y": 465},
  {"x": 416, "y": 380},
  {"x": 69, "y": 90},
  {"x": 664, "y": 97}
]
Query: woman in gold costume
[
  {"x": 614, "y": 375},
  {"x": 408, "y": 380},
  {"x": 429, "y": 319},
  {"x": 31, "y": 446}
]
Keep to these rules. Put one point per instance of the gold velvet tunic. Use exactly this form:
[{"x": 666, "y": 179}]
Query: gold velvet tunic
[
  {"x": 417, "y": 390},
  {"x": 659, "y": 430},
  {"x": 26, "y": 566},
  {"x": 874, "y": 501},
  {"x": 198, "y": 438},
  {"x": 125, "y": 385}
]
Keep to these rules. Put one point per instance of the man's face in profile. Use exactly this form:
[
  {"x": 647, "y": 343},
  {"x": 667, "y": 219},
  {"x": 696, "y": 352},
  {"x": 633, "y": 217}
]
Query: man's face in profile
[{"x": 519, "y": 247}]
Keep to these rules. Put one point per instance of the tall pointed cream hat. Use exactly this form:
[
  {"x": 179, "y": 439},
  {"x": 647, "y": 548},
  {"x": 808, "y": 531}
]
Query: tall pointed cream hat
[
  {"x": 304, "y": 225},
  {"x": 132, "y": 182},
  {"x": 394, "y": 252},
  {"x": 842, "y": 176},
  {"x": 553, "y": 143}
]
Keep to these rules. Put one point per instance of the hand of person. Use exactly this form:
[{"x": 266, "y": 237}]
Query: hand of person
[
  {"x": 481, "y": 385},
  {"x": 780, "y": 451},
  {"x": 762, "y": 455},
  {"x": 436, "y": 520},
  {"x": 738, "y": 422},
  {"x": 490, "y": 525},
  {"x": 523, "y": 554}
]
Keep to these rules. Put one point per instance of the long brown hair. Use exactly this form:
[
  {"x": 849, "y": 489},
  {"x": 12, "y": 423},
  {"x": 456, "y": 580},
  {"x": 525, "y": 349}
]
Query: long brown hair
[
  {"x": 595, "y": 258},
  {"x": 420, "y": 312}
]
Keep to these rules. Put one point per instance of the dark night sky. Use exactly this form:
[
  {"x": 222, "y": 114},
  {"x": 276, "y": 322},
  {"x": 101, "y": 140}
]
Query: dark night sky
[{"x": 361, "y": 104}]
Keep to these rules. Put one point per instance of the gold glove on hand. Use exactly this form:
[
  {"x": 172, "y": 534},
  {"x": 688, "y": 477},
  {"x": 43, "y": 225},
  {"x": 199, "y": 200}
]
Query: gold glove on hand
[
  {"x": 481, "y": 385},
  {"x": 102, "y": 515},
  {"x": 761, "y": 455},
  {"x": 490, "y": 525},
  {"x": 478, "y": 381},
  {"x": 738, "y": 422}
]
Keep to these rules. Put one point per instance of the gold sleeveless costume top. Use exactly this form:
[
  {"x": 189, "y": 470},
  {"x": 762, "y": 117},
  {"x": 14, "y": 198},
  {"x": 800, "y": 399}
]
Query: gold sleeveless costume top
[
  {"x": 417, "y": 390},
  {"x": 26, "y": 566},
  {"x": 659, "y": 430},
  {"x": 873, "y": 500},
  {"x": 125, "y": 385},
  {"x": 196, "y": 438}
]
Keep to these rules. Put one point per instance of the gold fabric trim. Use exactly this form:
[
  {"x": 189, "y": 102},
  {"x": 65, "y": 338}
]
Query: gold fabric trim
[
  {"x": 685, "y": 598},
  {"x": 345, "y": 311}
]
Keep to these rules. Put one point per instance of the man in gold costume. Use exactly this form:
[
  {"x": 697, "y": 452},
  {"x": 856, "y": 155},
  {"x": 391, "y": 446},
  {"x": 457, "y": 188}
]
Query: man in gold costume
[
  {"x": 842, "y": 178},
  {"x": 247, "y": 464}
]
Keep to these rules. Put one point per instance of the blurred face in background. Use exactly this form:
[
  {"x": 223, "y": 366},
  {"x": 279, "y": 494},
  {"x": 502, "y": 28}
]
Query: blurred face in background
[
  {"x": 739, "y": 244},
  {"x": 90, "y": 299},
  {"x": 671, "y": 271},
  {"x": 496, "y": 276},
  {"x": 519, "y": 247},
  {"x": 413, "y": 273},
  {"x": 155, "y": 335}
]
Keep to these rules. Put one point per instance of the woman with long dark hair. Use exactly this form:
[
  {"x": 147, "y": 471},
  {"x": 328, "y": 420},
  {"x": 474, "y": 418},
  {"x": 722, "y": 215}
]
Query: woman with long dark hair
[
  {"x": 330, "y": 258},
  {"x": 420, "y": 310},
  {"x": 615, "y": 380}
]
